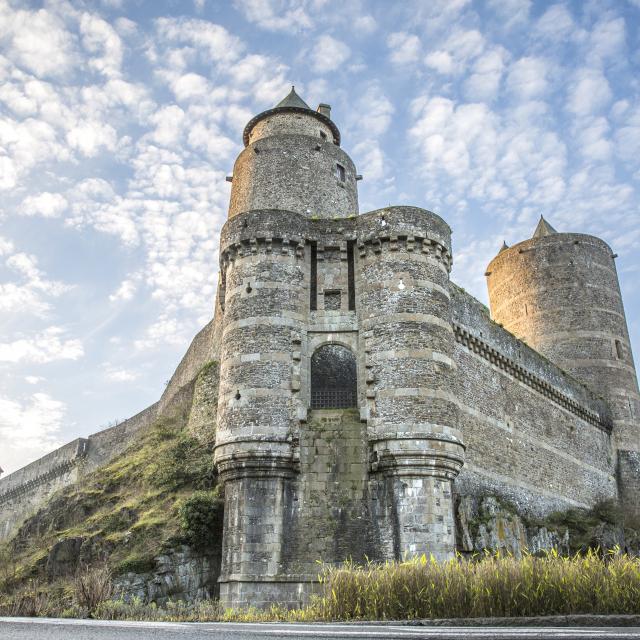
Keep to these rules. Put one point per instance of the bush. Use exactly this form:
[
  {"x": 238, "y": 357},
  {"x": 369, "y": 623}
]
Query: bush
[
  {"x": 185, "y": 462},
  {"x": 31, "y": 600},
  {"x": 201, "y": 519},
  {"x": 92, "y": 586}
]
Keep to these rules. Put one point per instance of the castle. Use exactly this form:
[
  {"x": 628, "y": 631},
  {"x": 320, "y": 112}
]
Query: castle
[{"x": 361, "y": 392}]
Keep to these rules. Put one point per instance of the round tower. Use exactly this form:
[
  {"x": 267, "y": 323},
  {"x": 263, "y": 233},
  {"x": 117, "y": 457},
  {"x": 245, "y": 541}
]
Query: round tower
[
  {"x": 264, "y": 304},
  {"x": 293, "y": 161},
  {"x": 559, "y": 292},
  {"x": 408, "y": 342}
]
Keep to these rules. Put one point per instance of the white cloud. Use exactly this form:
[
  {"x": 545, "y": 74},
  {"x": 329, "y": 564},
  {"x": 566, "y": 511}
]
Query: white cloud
[
  {"x": 47, "y": 205},
  {"x": 441, "y": 61},
  {"x": 90, "y": 137},
  {"x": 555, "y": 24},
  {"x": 33, "y": 379},
  {"x": 374, "y": 111},
  {"x": 479, "y": 155},
  {"x": 47, "y": 346},
  {"x": 29, "y": 428},
  {"x": 365, "y": 24},
  {"x": 214, "y": 43},
  {"x": 168, "y": 121},
  {"x": 465, "y": 45},
  {"x": 607, "y": 38},
  {"x": 28, "y": 295},
  {"x": 116, "y": 374},
  {"x": 164, "y": 331},
  {"x": 329, "y": 54},
  {"x": 484, "y": 82},
  {"x": 125, "y": 291},
  {"x": 371, "y": 159},
  {"x": 8, "y": 173},
  {"x": 456, "y": 52},
  {"x": 404, "y": 47},
  {"x": 593, "y": 142},
  {"x": 6, "y": 246},
  {"x": 99, "y": 37},
  {"x": 190, "y": 85},
  {"x": 627, "y": 136},
  {"x": 528, "y": 77},
  {"x": 37, "y": 40},
  {"x": 589, "y": 92},
  {"x": 276, "y": 15},
  {"x": 511, "y": 12}
]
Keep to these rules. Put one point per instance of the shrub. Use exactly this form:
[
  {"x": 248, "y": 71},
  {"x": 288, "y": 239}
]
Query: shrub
[
  {"x": 31, "y": 600},
  {"x": 201, "y": 519},
  {"x": 184, "y": 462},
  {"x": 91, "y": 586}
]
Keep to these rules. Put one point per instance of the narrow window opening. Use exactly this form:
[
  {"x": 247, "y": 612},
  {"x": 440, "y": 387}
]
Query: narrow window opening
[
  {"x": 313, "y": 285},
  {"x": 323, "y": 135},
  {"x": 619, "y": 351},
  {"x": 222, "y": 289},
  {"x": 526, "y": 310},
  {"x": 341, "y": 174},
  {"x": 351, "y": 278}
]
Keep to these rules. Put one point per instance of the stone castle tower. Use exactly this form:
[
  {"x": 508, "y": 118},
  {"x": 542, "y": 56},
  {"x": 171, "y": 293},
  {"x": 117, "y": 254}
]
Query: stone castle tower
[
  {"x": 559, "y": 292},
  {"x": 327, "y": 309},
  {"x": 363, "y": 405},
  {"x": 352, "y": 372}
]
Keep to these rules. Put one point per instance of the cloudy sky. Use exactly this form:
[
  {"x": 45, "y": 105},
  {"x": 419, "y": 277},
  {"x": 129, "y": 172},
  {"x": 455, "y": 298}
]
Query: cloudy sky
[{"x": 120, "y": 119}]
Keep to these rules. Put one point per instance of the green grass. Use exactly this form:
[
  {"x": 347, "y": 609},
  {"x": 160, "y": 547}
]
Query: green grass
[{"x": 130, "y": 507}]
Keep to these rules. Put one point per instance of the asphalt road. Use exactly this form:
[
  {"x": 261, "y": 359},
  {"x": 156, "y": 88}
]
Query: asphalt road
[{"x": 53, "y": 629}]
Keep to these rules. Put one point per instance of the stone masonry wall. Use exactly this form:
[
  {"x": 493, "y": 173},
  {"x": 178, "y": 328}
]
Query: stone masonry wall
[
  {"x": 22, "y": 491},
  {"x": 534, "y": 435},
  {"x": 330, "y": 519},
  {"x": 294, "y": 173},
  {"x": 560, "y": 294}
]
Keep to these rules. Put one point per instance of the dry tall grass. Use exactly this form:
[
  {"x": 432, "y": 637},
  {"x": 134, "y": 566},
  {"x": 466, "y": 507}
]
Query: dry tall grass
[
  {"x": 92, "y": 586},
  {"x": 495, "y": 585}
]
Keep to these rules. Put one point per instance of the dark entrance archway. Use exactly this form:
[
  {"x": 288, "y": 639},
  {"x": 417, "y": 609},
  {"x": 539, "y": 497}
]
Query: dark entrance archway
[{"x": 334, "y": 378}]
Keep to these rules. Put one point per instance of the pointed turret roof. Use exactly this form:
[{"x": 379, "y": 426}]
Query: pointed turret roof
[
  {"x": 294, "y": 103},
  {"x": 543, "y": 229},
  {"x": 504, "y": 247},
  {"x": 292, "y": 99}
]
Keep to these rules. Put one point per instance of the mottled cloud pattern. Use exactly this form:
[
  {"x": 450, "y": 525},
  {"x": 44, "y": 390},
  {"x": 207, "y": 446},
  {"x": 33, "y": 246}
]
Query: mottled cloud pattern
[{"x": 119, "y": 122}]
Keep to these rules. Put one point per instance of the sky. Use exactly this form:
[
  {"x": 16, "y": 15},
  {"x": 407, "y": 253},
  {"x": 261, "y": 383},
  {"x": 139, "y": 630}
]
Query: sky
[{"x": 119, "y": 120}]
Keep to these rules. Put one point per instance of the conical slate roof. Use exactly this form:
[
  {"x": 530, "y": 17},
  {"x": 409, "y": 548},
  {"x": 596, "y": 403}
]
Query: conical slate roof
[
  {"x": 292, "y": 99},
  {"x": 292, "y": 102},
  {"x": 504, "y": 247},
  {"x": 543, "y": 229}
]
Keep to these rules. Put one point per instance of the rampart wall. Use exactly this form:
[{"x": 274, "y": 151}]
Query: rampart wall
[
  {"x": 534, "y": 435},
  {"x": 22, "y": 491}
]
